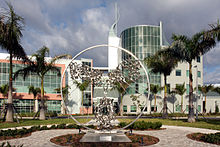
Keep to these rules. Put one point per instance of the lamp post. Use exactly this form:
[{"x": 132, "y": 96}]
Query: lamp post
[{"x": 196, "y": 91}]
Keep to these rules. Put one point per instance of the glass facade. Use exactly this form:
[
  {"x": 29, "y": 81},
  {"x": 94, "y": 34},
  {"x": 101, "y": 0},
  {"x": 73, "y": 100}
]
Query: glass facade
[
  {"x": 133, "y": 108},
  {"x": 51, "y": 82},
  {"x": 142, "y": 41},
  {"x": 124, "y": 108},
  {"x": 51, "y": 79},
  {"x": 27, "y": 105}
]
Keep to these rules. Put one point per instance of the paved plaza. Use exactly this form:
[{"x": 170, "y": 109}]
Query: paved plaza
[{"x": 172, "y": 136}]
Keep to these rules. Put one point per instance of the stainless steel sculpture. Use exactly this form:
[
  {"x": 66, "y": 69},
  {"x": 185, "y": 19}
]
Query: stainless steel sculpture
[{"x": 127, "y": 72}]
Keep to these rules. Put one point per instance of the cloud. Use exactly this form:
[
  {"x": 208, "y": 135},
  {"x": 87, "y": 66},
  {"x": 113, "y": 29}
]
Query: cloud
[
  {"x": 71, "y": 26},
  {"x": 212, "y": 77}
]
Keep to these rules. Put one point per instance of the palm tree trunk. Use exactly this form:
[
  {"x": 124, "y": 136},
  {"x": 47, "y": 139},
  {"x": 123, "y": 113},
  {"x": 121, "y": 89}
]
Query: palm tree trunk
[
  {"x": 9, "y": 116},
  {"x": 121, "y": 106},
  {"x": 205, "y": 105},
  {"x": 182, "y": 103},
  {"x": 42, "y": 104},
  {"x": 165, "y": 114},
  {"x": 82, "y": 105},
  {"x": 191, "y": 117},
  {"x": 155, "y": 97}
]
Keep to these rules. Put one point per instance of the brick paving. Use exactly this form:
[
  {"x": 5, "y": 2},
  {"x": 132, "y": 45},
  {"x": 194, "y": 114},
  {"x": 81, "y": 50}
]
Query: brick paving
[{"x": 172, "y": 136}]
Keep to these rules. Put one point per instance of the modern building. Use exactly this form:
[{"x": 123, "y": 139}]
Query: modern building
[
  {"x": 144, "y": 41},
  {"x": 25, "y": 102}
]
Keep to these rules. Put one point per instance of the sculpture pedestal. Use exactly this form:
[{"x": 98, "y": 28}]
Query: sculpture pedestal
[{"x": 104, "y": 136}]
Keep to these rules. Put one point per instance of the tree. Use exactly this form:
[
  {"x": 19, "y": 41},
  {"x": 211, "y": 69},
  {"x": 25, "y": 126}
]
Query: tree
[
  {"x": 65, "y": 95},
  {"x": 4, "y": 90},
  {"x": 155, "y": 89},
  {"x": 82, "y": 87},
  {"x": 162, "y": 63},
  {"x": 121, "y": 88},
  {"x": 11, "y": 25},
  {"x": 205, "y": 89},
  {"x": 180, "y": 89},
  {"x": 40, "y": 66},
  {"x": 214, "y": 32},
  {"x": 35, "y": 92},
  {"x": 186, "y": 50}
]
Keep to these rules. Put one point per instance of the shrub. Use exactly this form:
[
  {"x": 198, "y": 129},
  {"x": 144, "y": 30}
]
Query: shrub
[
  {"x": 61, "y": 126},
  {"x": 53, "y": 127},
  {"x": 51, "y": 114},
  {"x": 71, "y": 126},
  {"x": 91, "y": 126},
  {"x": 122, "y": 124},
  {"x": 44, "y": 128},
  {"x": 212, "y": 138},
  {"x": 142, "y": 125}
]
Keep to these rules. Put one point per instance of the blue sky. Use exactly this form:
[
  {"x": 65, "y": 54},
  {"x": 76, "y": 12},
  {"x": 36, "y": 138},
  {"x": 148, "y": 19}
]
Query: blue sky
[{"x": 69, "y": 26}]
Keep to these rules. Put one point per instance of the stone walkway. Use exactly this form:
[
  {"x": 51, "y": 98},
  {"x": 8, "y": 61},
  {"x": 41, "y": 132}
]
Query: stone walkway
[{"x": 172, "y": 136}]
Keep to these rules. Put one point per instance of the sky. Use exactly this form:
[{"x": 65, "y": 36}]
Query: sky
[{"x": 69, "y": 26}]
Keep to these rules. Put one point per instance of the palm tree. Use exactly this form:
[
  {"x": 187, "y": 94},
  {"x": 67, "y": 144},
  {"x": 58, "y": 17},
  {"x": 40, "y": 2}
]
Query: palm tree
[
  {"x": 40, "y": 66},
  {"x": 186, "y": 50},
  {"x": 35, "y": 92},
  {"x": 214, "y": 32},
  {"x": 180, "y": 89},
  {"x": 65, "y": 94},
  {"x": 164, "y": 64},
  {"x": 82, "y": 87},
  {"x": 121, "y": 88},
  {"x": 205, "y": 89},
  {"x": 4, "y": 90},
  {"x": 11, "y": 25},
  {"x": 155, "y": 89}
]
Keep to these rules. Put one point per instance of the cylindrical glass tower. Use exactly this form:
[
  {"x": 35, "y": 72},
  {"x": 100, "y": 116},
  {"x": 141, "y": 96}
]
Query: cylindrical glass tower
[{"x": 143, "y": 41}]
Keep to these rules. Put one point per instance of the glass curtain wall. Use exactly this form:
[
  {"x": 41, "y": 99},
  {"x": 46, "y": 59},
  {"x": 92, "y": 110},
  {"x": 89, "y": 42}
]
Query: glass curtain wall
[{"x": 142, "y": 41}]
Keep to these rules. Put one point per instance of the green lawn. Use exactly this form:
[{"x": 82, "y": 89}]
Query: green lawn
[
  {"x": 210, "y": 124},
  {"x": 28, "y": 122}
]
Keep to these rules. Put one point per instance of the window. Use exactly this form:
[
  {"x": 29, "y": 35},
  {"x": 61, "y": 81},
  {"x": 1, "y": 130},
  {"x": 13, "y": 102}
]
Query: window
[
  {"x": 178, "y": 72},
  {"x": 199, "y": 74},
  {"x": 125, "y": 108},
  {"x": 133, "y": 108},
  {"x": 198, "y": 59},
  {"x": 187, "y": 73},
  {"x": 142, "y": 107},
  {"x": 199, "y": 108},
  {"x": 178, "y": 108},
  {"x": 187, "y": 88},
  {"x": 187, "y": 108}
]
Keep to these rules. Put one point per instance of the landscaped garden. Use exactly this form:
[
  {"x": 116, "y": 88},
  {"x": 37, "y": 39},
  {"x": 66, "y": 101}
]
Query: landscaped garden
[
  {"x": 201, "y": 123},
  {"x": 28, "y": 122}
]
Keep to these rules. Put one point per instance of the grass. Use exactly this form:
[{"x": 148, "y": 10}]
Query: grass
[
  {"x": 201, "y": 123},
  {"x": 28, "y": 122}
]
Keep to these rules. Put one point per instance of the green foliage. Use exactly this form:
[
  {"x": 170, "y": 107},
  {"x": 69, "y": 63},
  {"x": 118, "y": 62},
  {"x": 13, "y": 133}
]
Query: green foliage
[
  {"x": 91, "y": 126},
  {"x": 71, "y": 126},
  {"x": 53, "y": 127},
  {"x": 211, "y": 138},
  {"x": 206, "y": 88},
  {"x": 142, "y": 125},
  {"x": 44, "y": 128},
  {"x": 122, "y": 124},
  {"x": 33, "y": 90},
  {"x": 155, "y": 88},
  {"x": 61, "y": 126}
]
